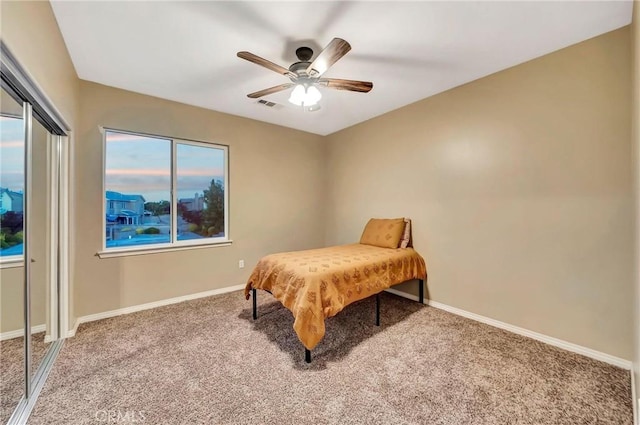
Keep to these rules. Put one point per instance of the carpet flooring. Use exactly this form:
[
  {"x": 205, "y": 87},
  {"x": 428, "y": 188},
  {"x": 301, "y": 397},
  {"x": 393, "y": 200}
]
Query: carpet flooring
[
  {"x": 12, "y": 370},
  {"x": 207, "y": 362}
]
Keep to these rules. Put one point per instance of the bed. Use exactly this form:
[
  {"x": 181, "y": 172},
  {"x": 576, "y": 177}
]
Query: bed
[{"x": 319, "y": 283}]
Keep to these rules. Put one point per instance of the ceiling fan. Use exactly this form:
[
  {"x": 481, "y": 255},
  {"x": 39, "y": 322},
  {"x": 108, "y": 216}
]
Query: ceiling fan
[{"x": 306, "y": 76}]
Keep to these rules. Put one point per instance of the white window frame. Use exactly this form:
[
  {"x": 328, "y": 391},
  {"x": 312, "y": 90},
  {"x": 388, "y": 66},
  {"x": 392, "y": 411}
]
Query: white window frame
[{"x": 174, "y": 243}]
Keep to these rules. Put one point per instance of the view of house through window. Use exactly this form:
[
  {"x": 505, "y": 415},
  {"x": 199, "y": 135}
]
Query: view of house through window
[
  {"x": 200, "y": 187},
  {"x": 11, "y": 185},
  {"x": 141, "y": 175}
]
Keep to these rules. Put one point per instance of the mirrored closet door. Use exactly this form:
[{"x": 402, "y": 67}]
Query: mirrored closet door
[
  {"x": 31, "y": 185},
  {"x": 12, "y": 290},
  {"x": 40, "y": 233}
]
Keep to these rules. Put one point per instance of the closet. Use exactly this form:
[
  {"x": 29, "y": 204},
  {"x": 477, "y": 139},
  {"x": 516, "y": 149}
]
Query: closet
[{"x": 32, "y": 239}]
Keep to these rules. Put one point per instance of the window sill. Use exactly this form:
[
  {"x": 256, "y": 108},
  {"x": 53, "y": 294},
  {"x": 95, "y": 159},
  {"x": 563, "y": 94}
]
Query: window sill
[
  {"x": 9, "y": 264},
  {"x": 112, "y": 253}
]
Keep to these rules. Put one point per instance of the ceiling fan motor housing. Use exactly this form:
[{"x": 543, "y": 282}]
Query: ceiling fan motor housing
[
  {"x": 300, "y": 69},
  {"x": 304, "y": 55}
]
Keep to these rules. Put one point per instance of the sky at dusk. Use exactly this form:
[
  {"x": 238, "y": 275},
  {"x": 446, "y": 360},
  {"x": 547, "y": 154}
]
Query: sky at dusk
[
  {"x": 140, "y": 165},
  {"x": 11, "y": 154},
  {"x": 135, "y": 164}
]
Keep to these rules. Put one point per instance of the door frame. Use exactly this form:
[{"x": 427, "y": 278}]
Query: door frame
[{"x": 58, "y": 273}]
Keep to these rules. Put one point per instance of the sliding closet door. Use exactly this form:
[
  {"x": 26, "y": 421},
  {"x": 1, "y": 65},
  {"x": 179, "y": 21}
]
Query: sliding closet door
[
  {"x": 33, "y": 234},
  {"x": 40, "y": 241},
  {"x": 28, "y": 234},
  {"x": 12, "y": 311}
]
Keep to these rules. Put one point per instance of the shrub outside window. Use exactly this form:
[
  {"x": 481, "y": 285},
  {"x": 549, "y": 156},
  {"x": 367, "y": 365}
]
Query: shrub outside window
[{"x": 163, "y": 192}]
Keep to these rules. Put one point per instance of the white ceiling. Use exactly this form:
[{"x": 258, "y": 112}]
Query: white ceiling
[{"x": 186, "y": 51}]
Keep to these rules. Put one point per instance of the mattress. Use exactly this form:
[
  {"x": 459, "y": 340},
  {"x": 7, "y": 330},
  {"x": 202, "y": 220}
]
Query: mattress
[{"x": 319, "y": 283}]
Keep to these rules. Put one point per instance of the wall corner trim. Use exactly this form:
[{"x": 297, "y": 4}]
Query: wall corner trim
[
  {"x": 147, "y": 306},
  {"x": 565, "y": 345},
  {"x": 72, "y": 332}
]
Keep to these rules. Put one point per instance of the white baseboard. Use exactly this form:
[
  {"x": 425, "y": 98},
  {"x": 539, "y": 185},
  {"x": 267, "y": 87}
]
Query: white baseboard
[
  {"x": 575, "y": 348},
  {"x": 147, "y": 306},
  {"x": 72, "y": 332},
  {"x": 20, "y": 332},
  {"x": 569, "y": 346}
]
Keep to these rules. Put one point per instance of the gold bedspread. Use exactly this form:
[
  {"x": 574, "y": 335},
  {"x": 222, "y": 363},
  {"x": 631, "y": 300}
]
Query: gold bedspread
[{"x": 319, "y": 283}]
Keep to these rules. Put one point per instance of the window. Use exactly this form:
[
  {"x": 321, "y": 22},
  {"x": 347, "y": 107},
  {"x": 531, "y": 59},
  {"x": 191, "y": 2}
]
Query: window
[
  {"x": 162, "y": 192},
  {"x": 11, "y": 186}
]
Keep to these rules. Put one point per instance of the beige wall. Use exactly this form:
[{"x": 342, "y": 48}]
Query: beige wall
[
  {"x": 519, "y": 185},
  {"x": 635, "y": 113},
  {"x": 276, "y": 189},
  {"x": 31, "y": 32},
  {"x": 11, "y": 304}
]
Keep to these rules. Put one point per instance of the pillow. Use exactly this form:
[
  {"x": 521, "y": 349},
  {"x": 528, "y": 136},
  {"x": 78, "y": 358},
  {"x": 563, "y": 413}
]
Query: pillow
[
  {"x": 406, "y": 235},
  {"x": 385, "y": 233}
]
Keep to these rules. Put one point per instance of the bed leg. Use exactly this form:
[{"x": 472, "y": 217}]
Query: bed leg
[
  {"x": 307, "y": 356},
  {"x": 255, "y": 303},
  {"x": 378, "y": 309},
  {"x": 421, "y": 291}
]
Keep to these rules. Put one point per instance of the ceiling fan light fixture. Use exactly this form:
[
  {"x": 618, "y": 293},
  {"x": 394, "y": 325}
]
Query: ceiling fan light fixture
[
  {"x": 313, "y": 96},
  {"x": 297, "y": 95},
  {"x": 305, "y": 96}
]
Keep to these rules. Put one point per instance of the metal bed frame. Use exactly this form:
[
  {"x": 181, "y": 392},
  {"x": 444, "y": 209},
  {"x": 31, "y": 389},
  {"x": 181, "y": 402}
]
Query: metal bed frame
[{"x": 307, "y": 352}]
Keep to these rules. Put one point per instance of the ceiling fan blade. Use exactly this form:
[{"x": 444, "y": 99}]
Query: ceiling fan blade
[
  {"x": 351, "y": 85},
  {"x": 336, "y": 49},
  {"x": 270, "y": 90},
  {"x": 265, "y": 63}
]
